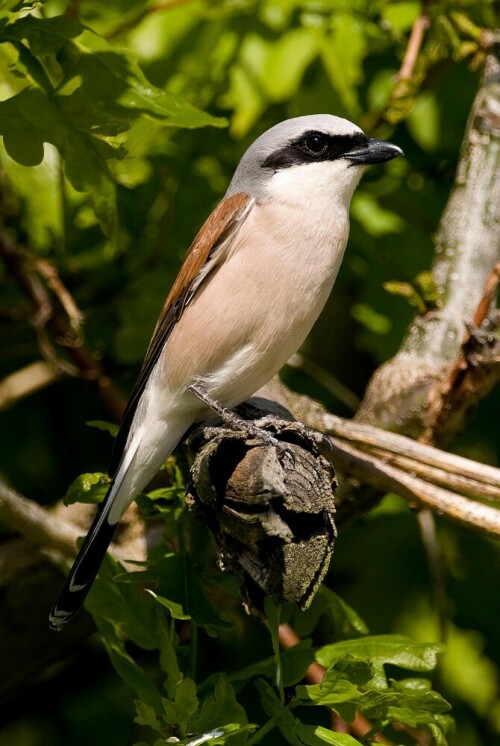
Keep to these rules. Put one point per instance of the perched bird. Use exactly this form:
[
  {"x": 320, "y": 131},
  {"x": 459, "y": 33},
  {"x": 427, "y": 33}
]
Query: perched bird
[{"x": 251, "y": 287}]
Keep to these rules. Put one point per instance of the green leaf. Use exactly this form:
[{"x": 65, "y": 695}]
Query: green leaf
[
  {"x": 175, "y": 609},
  {"x": 268, "y": 72},
  {"x": 376, "y": 220},
  {"x": 424, "y": 122},
  {"x": 343, "y": 52},
  {"x": 296, "y": 732},
  {"x": 107, "y": 427},
  {"x": 38, "y": 187},
  {"x": 341, "y": 683},
  {"x": 125, "y": 607},
  {"x": 87, "y": 113},
  {"x": 179, "y": 710},
  {"x": 345, "y": 621},
  {"x": 380, "y": 650},
  {"x": 285, "y": 61},
  {"x": 427, "y": 285},
  {"x": 329, "y": 693},
  {"x": 316, "y": 735},
  {"x": 407, "y": 291},
  {"x": 127, "y": 668},
  {"x": 88, "y": 488},
  {"x": 279, "y": 712},
  {"x": 108, "y": 79},
  {"x": 465, "y": 670},
  {"x": 401, "y": 15},
  {"x": 218, "y": 717},
  {"x": 220, "y": 706},
  {"x": 29, "y": 119},
  {"x": 369, "y": 318},
  {"x": 417, "y": 707},
  {"x": 181, "y": 586},
  {"x": 146, "y": 715}
]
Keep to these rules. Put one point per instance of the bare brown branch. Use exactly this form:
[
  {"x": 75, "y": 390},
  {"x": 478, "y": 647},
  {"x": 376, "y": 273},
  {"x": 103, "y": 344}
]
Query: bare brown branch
[
  {"x": 417, "y": 35},
  {"x": 48, "y": 530},
  {"x": 19, "y": 264},
  {"x": 26, "y": 381}
]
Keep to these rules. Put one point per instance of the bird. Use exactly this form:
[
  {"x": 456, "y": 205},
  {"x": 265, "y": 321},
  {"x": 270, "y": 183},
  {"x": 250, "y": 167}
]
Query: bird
[{"x": 253, "y": 283}]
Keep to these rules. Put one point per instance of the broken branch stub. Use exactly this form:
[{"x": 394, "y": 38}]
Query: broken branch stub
[{"x": 270, "y": 509}]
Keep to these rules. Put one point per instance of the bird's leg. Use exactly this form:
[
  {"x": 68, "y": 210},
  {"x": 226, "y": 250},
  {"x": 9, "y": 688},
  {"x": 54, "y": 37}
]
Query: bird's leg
[{"x": 233, "y": 420}]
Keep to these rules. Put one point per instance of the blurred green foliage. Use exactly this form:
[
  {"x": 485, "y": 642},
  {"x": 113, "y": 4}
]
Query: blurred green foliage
[{"x": 112, "y": 156}]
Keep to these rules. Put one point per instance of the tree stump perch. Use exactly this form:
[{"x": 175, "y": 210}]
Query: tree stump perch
[{"x": 270, "y": 510}]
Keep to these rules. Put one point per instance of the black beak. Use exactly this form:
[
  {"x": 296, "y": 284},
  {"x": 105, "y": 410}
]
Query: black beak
[{"x": 375, "y": 151}]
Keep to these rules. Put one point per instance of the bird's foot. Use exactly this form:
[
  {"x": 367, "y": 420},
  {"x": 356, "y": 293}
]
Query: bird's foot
[{"x": 235, "y": 422}]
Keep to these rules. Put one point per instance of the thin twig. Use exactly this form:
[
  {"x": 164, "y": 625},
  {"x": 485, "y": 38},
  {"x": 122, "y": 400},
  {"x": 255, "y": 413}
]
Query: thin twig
[
  {"x": 490, "y": 291},
  {"x": 26, "y": 381},
  {"x": 420, "y": 26},
  {"x": 75, "y": 316},
  {"x": 18, "y": 262},
  {"x": 427, "y": 525},
  {"x": 400, "y": 445},
  {"x": 373, "y": 471},
  {"x": 42, "y": 528},
  {"x": 456, "y": 482},
  {"x": 35, "y": 523}
]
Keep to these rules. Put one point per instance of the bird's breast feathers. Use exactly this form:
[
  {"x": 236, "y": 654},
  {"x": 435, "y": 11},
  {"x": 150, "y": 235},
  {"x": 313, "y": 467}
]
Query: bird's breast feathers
[{"x": 258, "y": 305}]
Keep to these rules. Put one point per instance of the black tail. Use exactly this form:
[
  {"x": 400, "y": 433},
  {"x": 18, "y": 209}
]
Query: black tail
[{"x": 84, "y": 570}]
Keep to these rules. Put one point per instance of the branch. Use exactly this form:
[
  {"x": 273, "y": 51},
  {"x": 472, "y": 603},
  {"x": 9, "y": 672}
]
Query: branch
[
  {"x": 26, "y": 381},
  {"x": 45, "y": 529},
  {"x": 20, "y": 265},
  {"x": 35, "y": 523},
  {"x": 467, "y": 249},
  {"x": 364, "y": 452},
  {"x": 420, "y": 26},
  {"x": 454, "y": 387},
  {"x": 31, "y": 576},
  {"x": 372, "y": 470}
]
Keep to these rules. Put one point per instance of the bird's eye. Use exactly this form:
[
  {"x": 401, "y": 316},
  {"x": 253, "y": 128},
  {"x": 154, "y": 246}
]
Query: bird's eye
[{"x": 316, "y": 143}]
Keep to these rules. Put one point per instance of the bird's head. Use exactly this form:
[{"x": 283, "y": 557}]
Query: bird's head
[{"x": 317, "y": 157}]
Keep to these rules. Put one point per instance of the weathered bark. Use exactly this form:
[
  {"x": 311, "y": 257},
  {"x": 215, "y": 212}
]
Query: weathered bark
[
  {"x": 270, "y": 509},
  {"x": 407, "y": 393}
]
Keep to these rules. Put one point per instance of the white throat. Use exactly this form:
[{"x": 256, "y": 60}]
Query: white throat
[{"x": 323, "y": 185}]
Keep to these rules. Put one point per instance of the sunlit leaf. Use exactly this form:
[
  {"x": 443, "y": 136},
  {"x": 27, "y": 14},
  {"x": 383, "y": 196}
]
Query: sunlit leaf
[
  {"x": 88, "y": 488},
  {"x": 373, "y": 217},
  {"x": 401, "y": 15},
  {"x": 107, "y": 427},
  {"x": 371, "y": 319},
  {"x": 424, "y": 122},
  {"x": 342, "y": 52},
  {"x": 382, "y": 649}
]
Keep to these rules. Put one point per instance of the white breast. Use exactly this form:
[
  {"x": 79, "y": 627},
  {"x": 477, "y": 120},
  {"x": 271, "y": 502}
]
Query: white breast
[{"x": 258, "y": 308}]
